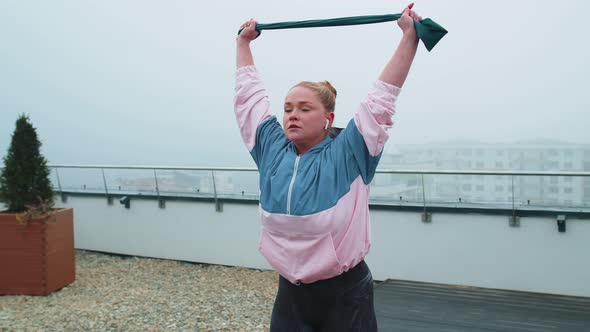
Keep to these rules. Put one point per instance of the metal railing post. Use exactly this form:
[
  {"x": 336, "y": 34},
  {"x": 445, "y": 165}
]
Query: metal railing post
[
  {"x": 106, "y": 189},
  {"x": 426, "y": 217},
  {"x": 514, "y": 220},
  {"x": 218, "y": 204},
  {"x": 161, "y": 202},
  {"x": 63, "y": 196}
]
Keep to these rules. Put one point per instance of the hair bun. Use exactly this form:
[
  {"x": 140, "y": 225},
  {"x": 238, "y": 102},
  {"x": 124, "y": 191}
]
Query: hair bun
[{"x": 329, "y": 86}]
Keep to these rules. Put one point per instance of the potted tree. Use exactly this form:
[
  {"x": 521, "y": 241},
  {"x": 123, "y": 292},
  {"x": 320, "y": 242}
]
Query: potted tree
[{"x": 36, "y": 240}]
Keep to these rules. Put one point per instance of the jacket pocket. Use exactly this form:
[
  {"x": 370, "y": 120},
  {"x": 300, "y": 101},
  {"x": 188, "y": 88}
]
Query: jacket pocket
[{"x": 304, "y": 258}]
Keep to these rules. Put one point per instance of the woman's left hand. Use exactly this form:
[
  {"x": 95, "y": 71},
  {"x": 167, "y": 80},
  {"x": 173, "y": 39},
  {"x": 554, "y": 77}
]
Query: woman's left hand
[
  {"x": 406, "y": 22},
  {"x": 248, "y": 31}
]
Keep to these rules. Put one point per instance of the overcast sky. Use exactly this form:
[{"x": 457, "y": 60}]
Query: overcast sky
[{"x": 152, "y": 82}]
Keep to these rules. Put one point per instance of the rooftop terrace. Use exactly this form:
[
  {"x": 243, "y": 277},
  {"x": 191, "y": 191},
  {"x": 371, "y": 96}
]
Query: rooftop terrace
[
  {"x": 442, "y": 263},
  {"x": 127, "y": 293}
]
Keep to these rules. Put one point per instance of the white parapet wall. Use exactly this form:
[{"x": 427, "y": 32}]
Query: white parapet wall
[
  {"x": 482, "y": 250},
  {"x": 460, "y": 249}
]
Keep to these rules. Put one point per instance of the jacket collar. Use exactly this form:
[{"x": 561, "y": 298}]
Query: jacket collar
[{"x": 317, "y": 147}]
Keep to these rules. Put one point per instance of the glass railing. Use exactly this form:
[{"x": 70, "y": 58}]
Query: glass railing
[{"x": 563, "y": 190}]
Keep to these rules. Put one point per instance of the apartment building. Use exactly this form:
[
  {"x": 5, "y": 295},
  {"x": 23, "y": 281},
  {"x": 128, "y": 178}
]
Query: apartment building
[{"x": 523, "y": 156}]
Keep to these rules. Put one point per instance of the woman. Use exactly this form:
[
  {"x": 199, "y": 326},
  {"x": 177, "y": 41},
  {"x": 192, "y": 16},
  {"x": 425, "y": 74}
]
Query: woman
[{"x": 314, "y": 189}]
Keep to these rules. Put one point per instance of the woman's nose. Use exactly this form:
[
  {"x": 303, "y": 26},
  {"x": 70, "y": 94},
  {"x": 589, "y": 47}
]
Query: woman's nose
[{"x": 294, "y": 114}]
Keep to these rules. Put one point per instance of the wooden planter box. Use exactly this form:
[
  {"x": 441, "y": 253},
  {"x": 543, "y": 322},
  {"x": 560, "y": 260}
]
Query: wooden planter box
[{"x": 37, "y": 258}]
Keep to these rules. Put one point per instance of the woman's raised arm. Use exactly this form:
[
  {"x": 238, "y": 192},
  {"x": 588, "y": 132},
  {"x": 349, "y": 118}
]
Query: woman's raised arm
[
  {"x": 398, "y": 67},
  {"x": 243, "y": 53}
]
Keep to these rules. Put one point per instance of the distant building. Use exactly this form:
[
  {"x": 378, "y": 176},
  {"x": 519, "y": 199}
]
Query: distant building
[{"x": 524, "y": 156}]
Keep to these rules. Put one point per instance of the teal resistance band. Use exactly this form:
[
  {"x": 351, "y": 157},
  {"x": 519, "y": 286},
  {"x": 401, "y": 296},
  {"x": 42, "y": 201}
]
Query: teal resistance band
[{"x": 428, "y": 31}]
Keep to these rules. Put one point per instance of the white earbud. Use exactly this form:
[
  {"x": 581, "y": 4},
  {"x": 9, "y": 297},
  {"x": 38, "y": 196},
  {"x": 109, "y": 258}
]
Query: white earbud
[{"x": 327, "y": 124}]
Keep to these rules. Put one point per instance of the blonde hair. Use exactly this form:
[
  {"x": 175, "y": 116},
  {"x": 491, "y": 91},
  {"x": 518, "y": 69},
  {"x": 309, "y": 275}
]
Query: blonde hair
[{"x": 324, "y": 90}]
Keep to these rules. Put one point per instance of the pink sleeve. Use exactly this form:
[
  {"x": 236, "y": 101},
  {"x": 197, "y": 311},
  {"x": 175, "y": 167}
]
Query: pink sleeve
[
  {"x": 373, "y": 116},
  {"x": 251, "y": 103}
]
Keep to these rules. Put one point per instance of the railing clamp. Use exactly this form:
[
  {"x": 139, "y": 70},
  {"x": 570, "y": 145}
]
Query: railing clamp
[
  {"x": 514, "y": 220},
  {"x": 561, "y": 223}
]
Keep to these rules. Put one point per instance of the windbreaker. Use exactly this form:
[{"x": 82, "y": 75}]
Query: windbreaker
[{"x": 314, "y": 207}]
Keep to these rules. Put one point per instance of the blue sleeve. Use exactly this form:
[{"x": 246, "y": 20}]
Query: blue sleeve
[
  {"x": 270, "y": 139},
  {"x": 354, "y": 150}
]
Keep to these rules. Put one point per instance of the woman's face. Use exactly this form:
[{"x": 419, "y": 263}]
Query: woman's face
[{"x": 304, "y": 118}]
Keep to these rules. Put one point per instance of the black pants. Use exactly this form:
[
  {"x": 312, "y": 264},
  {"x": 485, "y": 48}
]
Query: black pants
[{"x": 342, "y": 303}]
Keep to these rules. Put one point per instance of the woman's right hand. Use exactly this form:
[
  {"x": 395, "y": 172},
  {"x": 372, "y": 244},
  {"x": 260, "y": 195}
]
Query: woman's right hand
[{"x": 248, "y": 32}]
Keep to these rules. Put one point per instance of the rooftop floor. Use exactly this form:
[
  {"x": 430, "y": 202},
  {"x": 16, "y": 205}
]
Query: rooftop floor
[
  {"x": 126, "y": 293},
  {"x": 412, "y": 306}
]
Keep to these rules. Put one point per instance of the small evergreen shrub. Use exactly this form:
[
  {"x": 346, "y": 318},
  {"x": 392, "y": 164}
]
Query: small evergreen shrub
[{"x": 24, "y": 181}]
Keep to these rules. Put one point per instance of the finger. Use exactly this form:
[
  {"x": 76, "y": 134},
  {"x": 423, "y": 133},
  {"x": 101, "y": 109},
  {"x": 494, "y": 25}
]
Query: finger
[
  {"x": 419, "y": 18},
  {"x": 411, "y": 5}
]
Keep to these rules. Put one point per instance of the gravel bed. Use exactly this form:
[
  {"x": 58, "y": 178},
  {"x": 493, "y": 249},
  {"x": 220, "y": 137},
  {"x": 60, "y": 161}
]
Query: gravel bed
[{"x": 125, "y": 293}]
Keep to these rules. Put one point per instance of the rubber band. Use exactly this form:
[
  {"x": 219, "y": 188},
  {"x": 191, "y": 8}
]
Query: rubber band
[{"x": 427, "y": 30}]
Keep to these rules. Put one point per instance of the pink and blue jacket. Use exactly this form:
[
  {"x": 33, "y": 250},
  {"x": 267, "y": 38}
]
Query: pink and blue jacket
[{"x": 314, "y": 207}]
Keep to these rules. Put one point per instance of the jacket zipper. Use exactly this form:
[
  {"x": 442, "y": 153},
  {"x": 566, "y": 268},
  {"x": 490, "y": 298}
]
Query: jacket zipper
[{"x": 291, "y": 185}]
